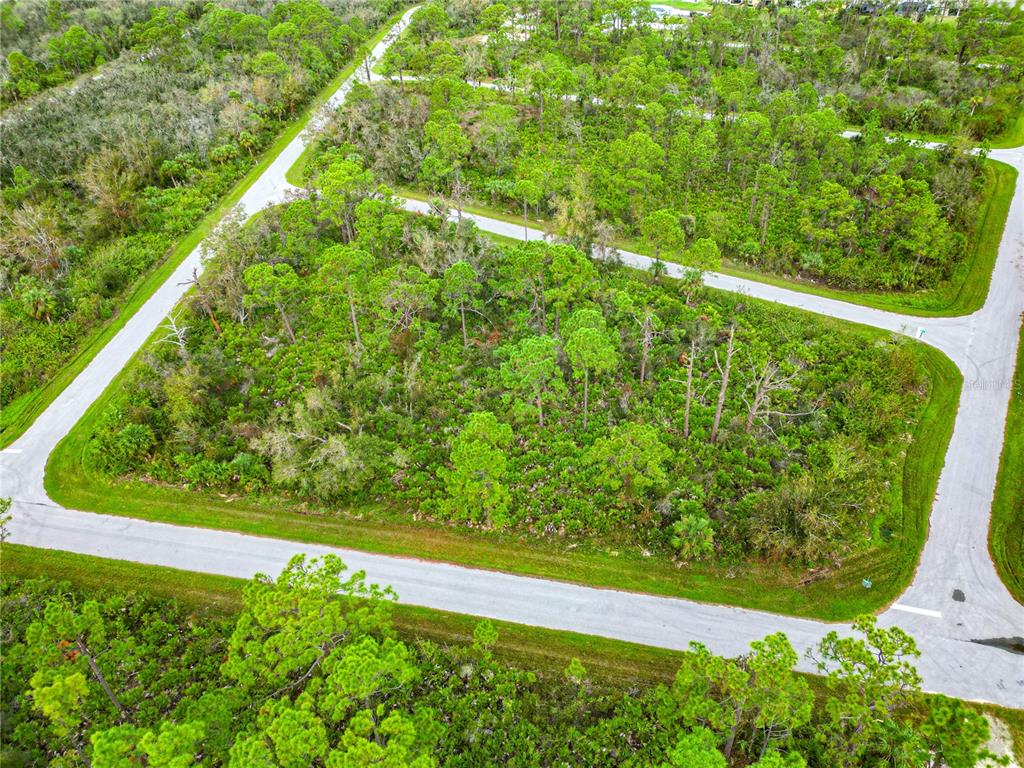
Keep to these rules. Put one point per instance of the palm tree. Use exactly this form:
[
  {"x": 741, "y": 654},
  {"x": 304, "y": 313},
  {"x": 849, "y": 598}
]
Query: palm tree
[{"x": 39, "y": 303}]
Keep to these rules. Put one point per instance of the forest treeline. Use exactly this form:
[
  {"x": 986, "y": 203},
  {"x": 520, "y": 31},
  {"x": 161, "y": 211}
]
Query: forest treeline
[
  {"x": 933, "y": 75},
  {"x": 102, "y": 177},
  {"x": 731, "y": 124},
  {"x": 312, "y": 672},
  {"x": 782, "y": 192},
  {"x": 346, "y": 353}
]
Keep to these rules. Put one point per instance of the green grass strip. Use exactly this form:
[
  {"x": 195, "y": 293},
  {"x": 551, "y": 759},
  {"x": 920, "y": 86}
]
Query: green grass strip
[
  {"x": 1006, "y": 530},
  {"x": 1012, "y": 136},
  {"x": 683, "y": 5},
  {"x": 19, "y": 415},
  {"x": 833, "y": 596}
]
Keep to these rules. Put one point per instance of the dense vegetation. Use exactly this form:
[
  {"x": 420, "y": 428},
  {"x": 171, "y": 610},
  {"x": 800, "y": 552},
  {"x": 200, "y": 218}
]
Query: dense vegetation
[
  {"x": 313, "y": 673},
  {"x": 933, "y": 75},
  {"x": 788, "y": 196},
  {"x": 684, "y": 125},
  {"x": 44, "y": 43},
  {"x": 349, "y": 354},
  {"x": 101, "y": 178}
]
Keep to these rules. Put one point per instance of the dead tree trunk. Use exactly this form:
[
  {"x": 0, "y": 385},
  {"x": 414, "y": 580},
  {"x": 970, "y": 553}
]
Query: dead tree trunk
[
  {"x": 355, "y": 321},
  {"x": 725, "y": 381},
  {"x": 286, "y": 322},
  {"x": 689, "y": 387},
  {"x": 98, "y": 674}
]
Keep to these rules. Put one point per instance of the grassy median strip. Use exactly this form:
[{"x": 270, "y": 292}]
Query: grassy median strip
[
  {"x": 963, "y": 294},
  {"x": 19, "y": 415},
  {"x": 613, "y": 664},
  {"x": 831, "y": 595},
  {"x": 1006, "y": 530}
]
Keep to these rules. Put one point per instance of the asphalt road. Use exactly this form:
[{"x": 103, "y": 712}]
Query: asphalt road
[{"x": 956, "y": 597}]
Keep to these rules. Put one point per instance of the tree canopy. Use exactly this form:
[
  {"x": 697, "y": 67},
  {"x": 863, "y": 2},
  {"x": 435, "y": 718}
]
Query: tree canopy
[{"x": 314, "y": 669}]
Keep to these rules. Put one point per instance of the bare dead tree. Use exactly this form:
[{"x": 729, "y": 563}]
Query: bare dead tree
[
  {"x": 724, "y": 372},
  {"x": 649, "y": 333},
  {"x": 31, "y": 234},
  {"x": 176, "y": 336},
  {"x": 459, "y": 189},
  {"x": 698, "y": 343},
  {"x": 766, "y": 380}
]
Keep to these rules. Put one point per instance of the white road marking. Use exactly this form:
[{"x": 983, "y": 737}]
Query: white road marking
[
  {"x": 921, "y": 611},
  {"x": 11, "y": 450}
]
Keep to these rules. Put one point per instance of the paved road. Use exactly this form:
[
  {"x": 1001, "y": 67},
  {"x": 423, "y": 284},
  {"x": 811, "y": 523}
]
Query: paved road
[
  {"x": 951, "y": 665},
  {"x": 955, "y": 558}
]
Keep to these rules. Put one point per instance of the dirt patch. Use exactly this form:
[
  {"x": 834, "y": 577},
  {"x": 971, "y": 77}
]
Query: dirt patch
[{"x": 1000, "y": 743}]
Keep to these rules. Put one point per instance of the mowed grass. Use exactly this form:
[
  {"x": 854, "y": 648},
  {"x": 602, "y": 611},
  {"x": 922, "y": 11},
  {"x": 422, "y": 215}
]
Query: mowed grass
[
  {"x": 830, "y": 595},
  {"x": 1013, "y": 136},
  {"x": 683, "y": 5},
  {"x": 1006, "y": 530},
  {"x": 963, "y": 294},
  {"x": 611, "y": 664},
  {"x": 17, "y": 416}
]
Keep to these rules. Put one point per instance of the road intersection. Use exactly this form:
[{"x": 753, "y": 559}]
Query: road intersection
[{"x": 955, "y": 600}]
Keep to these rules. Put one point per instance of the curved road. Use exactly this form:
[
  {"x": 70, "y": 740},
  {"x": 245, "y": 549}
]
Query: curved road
[{"x": 956, "y": 597}]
